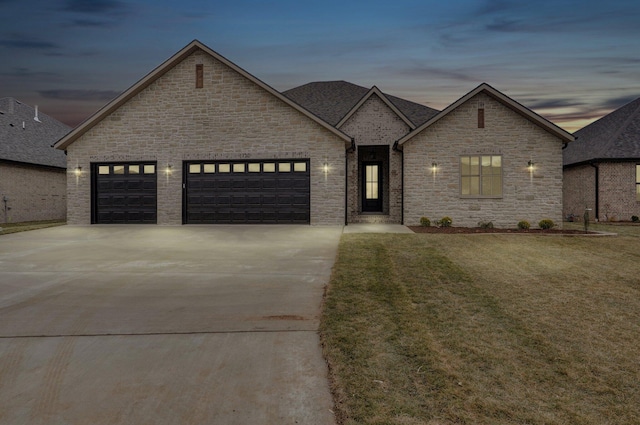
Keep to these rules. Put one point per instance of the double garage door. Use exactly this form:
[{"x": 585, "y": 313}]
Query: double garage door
[{"x": 214, "y": 192}]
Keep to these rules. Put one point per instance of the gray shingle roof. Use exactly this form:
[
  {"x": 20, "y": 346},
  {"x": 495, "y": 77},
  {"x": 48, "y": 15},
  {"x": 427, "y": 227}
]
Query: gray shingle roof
[
  {"x": 332, "y": 100},
  {"x": 32, "y": 143},
  {"x": 615, "y": 136}
]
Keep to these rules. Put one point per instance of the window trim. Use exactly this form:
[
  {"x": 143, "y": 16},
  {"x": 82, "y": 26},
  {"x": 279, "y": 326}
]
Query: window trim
[{"x": 480, "y": 195}]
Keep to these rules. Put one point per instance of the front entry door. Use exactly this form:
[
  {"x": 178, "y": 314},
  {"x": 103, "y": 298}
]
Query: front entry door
[{"x": 372, "y": 187}]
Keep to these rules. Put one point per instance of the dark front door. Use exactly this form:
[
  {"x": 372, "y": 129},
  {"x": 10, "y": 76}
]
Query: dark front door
[
  {"x": 372, "y": 186},
  {"x": 228, "y": 192}
]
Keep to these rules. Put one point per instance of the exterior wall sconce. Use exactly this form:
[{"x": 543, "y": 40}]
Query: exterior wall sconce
[
  {"x": 169, "y": 169},
  {"x": 530, "y": 165},
  {"x": 325, "y": 168},
  {"x": 434, "y": 166},
  {"x": 77, "y": 171}
]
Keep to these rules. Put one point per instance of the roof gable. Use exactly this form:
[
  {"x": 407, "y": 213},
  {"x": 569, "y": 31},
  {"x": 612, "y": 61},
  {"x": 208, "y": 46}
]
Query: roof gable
[
  {"x": 375, "y": 91},
  {"x": 333, "y": 100},
  {"x": 614, "y": 136},
  {"x": 503, "y": 99},
  {"x": 23, "y": 138},
  {"x": 163, "y": 69}
]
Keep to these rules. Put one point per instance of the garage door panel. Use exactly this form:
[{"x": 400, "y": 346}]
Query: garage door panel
[
  {"x": 248, "y": 193},
  {"x": 124, "y": 193}
]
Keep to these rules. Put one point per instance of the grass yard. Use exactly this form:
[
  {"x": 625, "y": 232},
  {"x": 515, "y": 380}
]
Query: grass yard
[
  {"x": 8, "y": 228},
  {"x": 485, "y": 329}
]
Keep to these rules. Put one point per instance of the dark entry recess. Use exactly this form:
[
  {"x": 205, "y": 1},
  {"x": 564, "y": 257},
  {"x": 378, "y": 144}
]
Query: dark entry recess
[
  {"x": 248, "y": 191},
  {"x": 124, "y": 193},
  {"x": 372, "y": 186}
]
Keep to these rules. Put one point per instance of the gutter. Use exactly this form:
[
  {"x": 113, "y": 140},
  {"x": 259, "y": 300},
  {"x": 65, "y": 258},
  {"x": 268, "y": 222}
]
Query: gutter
[
  {"x": 597, "y": 188},
  {"x": 350, "y": 149},
  {"x": 396, "y": 149}
]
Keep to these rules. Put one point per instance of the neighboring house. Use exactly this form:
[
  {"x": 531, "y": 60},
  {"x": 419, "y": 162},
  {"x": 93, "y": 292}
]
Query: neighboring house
[
  {"x": 200, "y": 140},
  {"x": 602, "y": 167},
  {"x": 33, "y": 181}
]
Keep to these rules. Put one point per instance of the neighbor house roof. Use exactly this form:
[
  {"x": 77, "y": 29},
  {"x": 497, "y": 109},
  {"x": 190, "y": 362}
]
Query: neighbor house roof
[
  {"x": 333, "y": 100},
  {"x": 503, "y": 99},
  {"x": 615, "y": 136},
  {"x": 163, "y": 69},
  {"x": 26, "y": 137}
]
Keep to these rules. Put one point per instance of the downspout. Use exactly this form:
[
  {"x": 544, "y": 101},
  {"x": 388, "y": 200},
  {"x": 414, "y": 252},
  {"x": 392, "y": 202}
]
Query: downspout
[
  {"x": 597, "y": 206},
  {"x": 395, "y": 148},
  {"x": 350, "y": 149}
]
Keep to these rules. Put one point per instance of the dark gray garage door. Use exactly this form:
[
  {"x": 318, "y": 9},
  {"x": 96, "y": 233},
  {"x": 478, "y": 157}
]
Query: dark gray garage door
[
  {"x": 124, "y": 193},
  {"x": 227, "y": 192}
]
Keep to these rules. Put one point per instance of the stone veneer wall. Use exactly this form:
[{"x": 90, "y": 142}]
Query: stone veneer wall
[
  {"x": 33, "y": 193},
  {"x": 375, "y": 124},
  {"x": 229, "y": 118},
  {"x": 526, "y": 196}
]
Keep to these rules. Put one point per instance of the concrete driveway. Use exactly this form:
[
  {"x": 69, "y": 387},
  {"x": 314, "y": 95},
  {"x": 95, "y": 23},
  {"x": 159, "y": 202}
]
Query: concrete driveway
[{"x": 164, "y": 325}]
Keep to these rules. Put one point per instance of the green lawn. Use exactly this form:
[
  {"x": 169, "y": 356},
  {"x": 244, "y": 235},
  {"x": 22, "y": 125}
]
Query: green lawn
[
  {"x": 485, "y": 329},
  {"x": 8, "y": 228}
]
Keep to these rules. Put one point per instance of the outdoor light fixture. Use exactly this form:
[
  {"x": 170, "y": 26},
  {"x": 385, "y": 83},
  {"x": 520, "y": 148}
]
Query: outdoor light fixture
[
  {"x": 530, "y": 164},
  {"x": 78, "y": 171},
  {"x": 325, "y": 168},
  {"x": 434, "y": 165},
  {"x": 168, "y": 169}
]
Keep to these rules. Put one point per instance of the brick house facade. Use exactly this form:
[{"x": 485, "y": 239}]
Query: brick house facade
[
  {"x": 223, "y": 147},
  {"x": 602, "y": 168},
  {"x": 33, "y": 180}
]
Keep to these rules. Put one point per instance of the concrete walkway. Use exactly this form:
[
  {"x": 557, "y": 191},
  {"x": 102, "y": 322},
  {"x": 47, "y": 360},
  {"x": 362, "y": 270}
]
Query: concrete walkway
[
  {"x": 376, "y": 228},
  {"x": 164, "y": 325}
]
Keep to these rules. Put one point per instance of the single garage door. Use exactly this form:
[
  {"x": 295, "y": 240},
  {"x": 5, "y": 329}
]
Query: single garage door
[
  {"x": 124, "y": 193},
  {"x": 228, "y": 192}
]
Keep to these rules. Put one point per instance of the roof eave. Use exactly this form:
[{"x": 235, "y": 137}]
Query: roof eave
[{"x": 163, "y": 68}]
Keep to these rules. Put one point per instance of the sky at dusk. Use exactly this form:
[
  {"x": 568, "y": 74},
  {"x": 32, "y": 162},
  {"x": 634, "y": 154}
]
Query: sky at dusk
[{"x": 570, "y": 61}]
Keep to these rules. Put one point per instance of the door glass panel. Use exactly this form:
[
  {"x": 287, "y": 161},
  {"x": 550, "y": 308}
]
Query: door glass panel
[
  {"x": 300, "y": 166},
  {"x": 254, "y": 168},
  {"x": 194, "y": 168},
  {"x": 371, "y": 177},
  {"x": 269, "y": 167},
  {"x": 209, "y": 168},
  {"x": 134, "y": 169},
  {"x": 238, "y": 168},
  {"x": 284, "y": 167},
  {"x": 224, "y": 168},
  {"x": 149, "y": 169},
  {"x": 103, "y": 169},
  {"x": 118, "y": 169}
]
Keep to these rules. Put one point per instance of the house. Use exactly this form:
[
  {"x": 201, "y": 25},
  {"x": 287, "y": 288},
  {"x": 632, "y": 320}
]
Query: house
[
  {"x": 602, "y": 168},
  {"x": 33, "y": 181},
  {"x": 200, "y": 140}
]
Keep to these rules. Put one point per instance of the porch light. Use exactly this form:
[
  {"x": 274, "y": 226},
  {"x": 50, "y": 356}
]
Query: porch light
[
  {"x": 168, "y": 169},
  {"x": 77, "y": 171},
  {"x": 530, "y": 165},
  {"x": 325, "y": 167}
]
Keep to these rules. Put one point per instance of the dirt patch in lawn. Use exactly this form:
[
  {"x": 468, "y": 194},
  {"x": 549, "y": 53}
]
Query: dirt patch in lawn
[{"x": 475, "y": 230}]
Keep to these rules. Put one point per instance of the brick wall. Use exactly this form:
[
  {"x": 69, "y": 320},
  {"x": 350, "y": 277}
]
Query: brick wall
[
  {"x": 229, "y": 118},
  {"x": 579, "y": 191},
  {"x": 375, "y": 124},
  {"x": 617, "y": 190},
  {"x": 33, "y": 193},
  {"x": 526, "y": 196}
]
